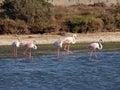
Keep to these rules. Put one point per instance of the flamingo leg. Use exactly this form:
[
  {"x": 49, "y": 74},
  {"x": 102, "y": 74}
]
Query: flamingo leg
[
  {"x": 30, "y": 55},
  {"x": 68, "y": 50},
  {"x": 65, "y": 48},
  {"x": 95, "y": 54},
  {"x": 24, "y": 53},
  {"x": 16, "y": 51},
  {"x": 13, "y": 51},
  {"x": 58, "y": 52},
  {"x": 90, "y": 55}
]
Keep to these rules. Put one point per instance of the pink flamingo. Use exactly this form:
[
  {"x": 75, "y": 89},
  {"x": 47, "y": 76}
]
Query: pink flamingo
[
  {"x": 15, "y": 45},
  {"x": 94, "y": 46},
  {"x": 30, "y": 46},
  {"x": 68, "y": 41},
  {"x": 58, "y": 44}
]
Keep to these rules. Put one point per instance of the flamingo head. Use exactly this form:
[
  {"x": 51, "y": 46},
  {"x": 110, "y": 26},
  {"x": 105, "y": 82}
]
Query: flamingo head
[
  {"x": 35, "y": 47},
  {"x": 100, "y": 40},
  {"x": 19, "y": 40},
  {"x": 75, "y": 36},
  {"x": 35, "y": 42}
]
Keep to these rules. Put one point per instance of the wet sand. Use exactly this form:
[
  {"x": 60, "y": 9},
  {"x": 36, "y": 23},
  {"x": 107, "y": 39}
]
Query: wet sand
[{"x": 49, "y": 39}]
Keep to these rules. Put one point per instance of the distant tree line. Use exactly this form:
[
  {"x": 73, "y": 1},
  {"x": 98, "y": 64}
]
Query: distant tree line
[{"x": 39, "y": 17}]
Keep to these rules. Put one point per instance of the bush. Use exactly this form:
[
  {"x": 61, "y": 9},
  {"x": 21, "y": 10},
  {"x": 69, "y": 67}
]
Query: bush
[
  {"x": 37, "y": 16},
  {"x": 9, "y": 27},
  {"x": 97, "y": 24},
  {"x": 28, "y": 10},
  {"x": 84, "y": 23},
  {"x": 117, "y": 20},
  {"x": 108, "y": 20}
]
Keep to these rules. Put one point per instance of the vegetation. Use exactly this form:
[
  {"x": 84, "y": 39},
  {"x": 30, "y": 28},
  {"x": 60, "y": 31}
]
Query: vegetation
[
  {"x": 38, "y": 16},
  {"x": 45, "y": 49}
]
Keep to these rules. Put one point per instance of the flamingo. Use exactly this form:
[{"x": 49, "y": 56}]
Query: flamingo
[
  {"x": 94, "y": 46},
  {"x": 58, "y": 44},
  {"x": 68, "y": 41},
  {"x": 30, "y": 46},
  {"x": 16, "y": 45}
]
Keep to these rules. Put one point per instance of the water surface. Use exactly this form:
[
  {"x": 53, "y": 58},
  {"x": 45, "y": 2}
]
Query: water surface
[{"x": 70, "y": 72}]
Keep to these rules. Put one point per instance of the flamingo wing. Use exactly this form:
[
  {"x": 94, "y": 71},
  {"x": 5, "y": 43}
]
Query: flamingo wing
[
  {"x": 93, "y": 45},
  {"x": 58, "y": 43},
  {"x": 16, "y": 44},
  {"x": 31, "y": 45},
  {"x": 68, "y": 40}
]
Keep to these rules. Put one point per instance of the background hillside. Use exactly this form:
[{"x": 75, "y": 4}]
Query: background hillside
[{"x": 40, "y": 17}]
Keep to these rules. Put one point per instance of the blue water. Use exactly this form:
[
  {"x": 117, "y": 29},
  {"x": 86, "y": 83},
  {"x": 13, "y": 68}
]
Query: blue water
[{"x": 74, "y": 72}]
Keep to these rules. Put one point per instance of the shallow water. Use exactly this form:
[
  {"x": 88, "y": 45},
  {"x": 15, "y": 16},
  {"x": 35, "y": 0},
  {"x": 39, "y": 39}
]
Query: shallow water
[{"x": 73, "y": 72}]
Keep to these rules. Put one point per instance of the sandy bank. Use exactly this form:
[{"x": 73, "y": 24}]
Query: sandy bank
[{"x": 49, "y": 39}]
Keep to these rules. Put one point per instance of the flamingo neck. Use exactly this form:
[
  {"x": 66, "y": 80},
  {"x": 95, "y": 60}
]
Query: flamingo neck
[
  {"x": 74, "y": 40},
  {"x": 60, "y": 42},
  {"x": 34, "y": 42},
  {"x": 34, "y": 47},
  {"x": 100, "y": 45},
  {"x": 18, "y": 39}
]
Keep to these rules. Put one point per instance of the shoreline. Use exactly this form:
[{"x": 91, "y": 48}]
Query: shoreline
[{"x": 49, "y": 39}]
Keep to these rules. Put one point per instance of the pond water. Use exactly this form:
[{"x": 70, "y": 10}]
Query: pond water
[{"x": 73, "y": 72}]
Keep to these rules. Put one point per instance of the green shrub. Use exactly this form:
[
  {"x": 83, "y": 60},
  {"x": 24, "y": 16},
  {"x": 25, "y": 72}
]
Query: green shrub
[
  {"x": 117, "y": 20},
  {"x": 97, "y": 24},
  {"x": 9, "y": 26}
]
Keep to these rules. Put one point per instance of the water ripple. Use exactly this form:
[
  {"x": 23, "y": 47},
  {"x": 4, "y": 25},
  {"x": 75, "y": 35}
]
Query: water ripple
[{"x": 70, "y": 72}]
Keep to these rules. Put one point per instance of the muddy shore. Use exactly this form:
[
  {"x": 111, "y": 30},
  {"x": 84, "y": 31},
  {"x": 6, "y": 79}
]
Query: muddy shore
[{"x": 49, "y": 39}]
